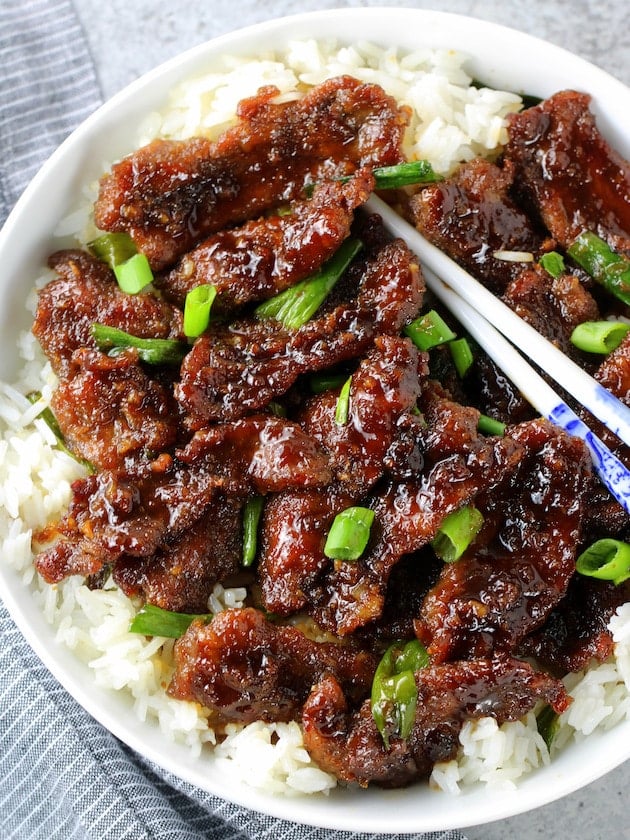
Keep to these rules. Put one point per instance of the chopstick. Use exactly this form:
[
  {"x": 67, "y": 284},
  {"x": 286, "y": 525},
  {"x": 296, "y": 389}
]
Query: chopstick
[
  {"x": 598, "y": 400},
  {"x": 612, "y": 472}
]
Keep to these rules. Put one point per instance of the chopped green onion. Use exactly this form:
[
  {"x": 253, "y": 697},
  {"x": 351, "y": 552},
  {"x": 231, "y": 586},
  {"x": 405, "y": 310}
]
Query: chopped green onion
[
  {"x": 113, "y": 248},
  {"x": 553, "y": 263},
  {"x": 599, "y": 336},
  {"x": 462, "y": 355},
  {"x": 277, "y": 409},
  {"x": 321, "y": 382},
  {"x": 155, "y": 621},
  {"x": 429, "y": 330},
  {"x": 456, "y": 533},
  {"x": 548, "y": 724},
  {"x": 342, "y": 409},
  {"x": 606, "y": 267},
  {"x": 197, "y": 310},
  {"x": 404, "y": 174},
  {"x": 296, "y": 305},
  {"x": 134, "y": 274},
  {"x": 349, "y": 534},
  {"x": 51, "y": 421},
  {"x": 606, "y": 559},
  {"x": 154, "y": 351},
  {"x": 251, "y": 518},
  {"x": 489, "y": 426},
  {"x": 394, "y": 694}
]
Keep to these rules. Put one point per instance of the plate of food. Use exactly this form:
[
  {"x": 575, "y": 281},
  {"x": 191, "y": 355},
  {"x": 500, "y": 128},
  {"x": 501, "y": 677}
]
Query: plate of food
[{"x": 272, "y": 510}]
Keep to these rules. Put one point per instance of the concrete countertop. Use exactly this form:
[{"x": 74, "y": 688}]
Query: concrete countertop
[{"x": 127, "y": 39}]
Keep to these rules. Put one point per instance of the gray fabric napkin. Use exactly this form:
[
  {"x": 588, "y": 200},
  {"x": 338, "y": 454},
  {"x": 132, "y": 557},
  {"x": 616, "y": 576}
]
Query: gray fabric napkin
[{"x": 62, "y": 775}]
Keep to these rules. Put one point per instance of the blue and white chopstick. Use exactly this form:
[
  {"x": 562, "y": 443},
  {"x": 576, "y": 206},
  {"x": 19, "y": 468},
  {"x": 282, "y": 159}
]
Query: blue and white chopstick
[
  {"x": 586, "y": 390},
  {"x": 612, "y": 472}
]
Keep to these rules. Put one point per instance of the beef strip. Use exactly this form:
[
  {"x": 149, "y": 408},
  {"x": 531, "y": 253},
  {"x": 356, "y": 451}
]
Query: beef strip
[
  {"x": 146, "y": 508},
  {"x": 458, "y": 465},
  {"x": 244, "y": 668},
  {"x": 506, "y": 584},
  {"x": 86, "y": 292},
  {"x": 385, "y": 385},
  {"x": 576, "y": 631},
  {"x": 182, "y": 572},
  {"x": 234, "y": 370},
  {"x": 614, "y": 371},
  {"x": 266, "y": 256},
  {"x": 170, "y": 194},
  {"x": 109, "y": 409},
  {"x": 347, "y": 743},
  {"x": 470, "y": 216},
  {"x": 567, "y": 172}
]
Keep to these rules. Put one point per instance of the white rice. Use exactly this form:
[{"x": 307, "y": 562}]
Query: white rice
[{"x": 452, "y": 121}]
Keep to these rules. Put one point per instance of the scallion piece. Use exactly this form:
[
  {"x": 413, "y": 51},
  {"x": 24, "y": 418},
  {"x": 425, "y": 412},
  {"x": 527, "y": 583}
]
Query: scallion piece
[
  {"x": 429, "y": 330},
  {"x": 197, "y": 310},
  {"x": 342, "y": 409},
  {"x": 134, "y": 274},
  {"x": 404, "y": 174},
  {"x": 251, "y": 518},
  {"x": 553, "y": 263},
  {"x": 599, "y": 336},
  {"x": 51, "y": 421},
  {"x": 548, "y": 724},
  {"x": 489, "y": 426},
  {"x": 606, "y": 267},
  {"x": 606, "y": 559},
  {"x": 462, "y": 356},
  {"x": 155, "y": 621},
  {"x": 296, "y": 305},
  {"x": 113, "y": 248},
  {"x": 349, "y": 534},
  {"x": 154, "y": 351},
  {"x": 456, "y": 533},
  {"x": 320, "y": 382},
  {"x": 394, "y": 694}
]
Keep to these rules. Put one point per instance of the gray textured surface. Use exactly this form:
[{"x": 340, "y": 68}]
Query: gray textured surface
[{"x": 129, "y": 38}]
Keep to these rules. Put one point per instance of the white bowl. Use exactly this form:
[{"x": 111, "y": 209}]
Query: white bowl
[{"x": 501, "y": 57}]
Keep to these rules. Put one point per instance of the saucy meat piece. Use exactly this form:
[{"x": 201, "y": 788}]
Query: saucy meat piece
[
  {"x": 471, "y": 216},
  {"x": 386, "y": 384},
  {"x": 458, "y": 464},
  {"x": 109, "y": 409},
  {"x": 181, "y": 574},
  {"x": 347, "y": 743},
  {"x": 244, "y": 668},
  {"x": 86, "y": 292},
  {"x": 234, "y": 370},
  {"x": 576, "y": 631},
  {"x": 506, "y": 584},
  {"x": 170, "y": 194},
  {"x": 266, "y": 256},
  {"x": 567, "y": 172},
  {"x": 614, "y": 371},
  {"x": 147, "y": 506}
]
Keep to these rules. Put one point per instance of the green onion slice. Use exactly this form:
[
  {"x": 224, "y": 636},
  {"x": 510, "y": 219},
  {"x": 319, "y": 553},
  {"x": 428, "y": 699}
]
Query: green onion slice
[
  {"x": 404, "y": 174},
  {"x": 462, "y": 356},
  {"x": 599, "y": 336},
  {"x": 394, "y": 694},
  {"x": 456, "y": 533},
  {"x": 606, "y": 559},
  {"x": 342, "y": 409},
  {"x": 155, "y": 621},
  {"x": 349, "y": 534},
  {"x": 489, "y": 426},
  {"x": 553, "y": 263},
  {"x": 251, "y": 518},
  {"x": 51, "y": 421},
  {"x": 197, "y": 310},
  {"x": 295, "y": 306},
  {"x": 429, "y": 330},
  {"x": 154, "y": 351},
  {"x": 320, "y": 382},
  {"x": 134, "y": 274},
  {"x": 548, "y": 724},
  {"x": 608, "y": 268},
  {"x": 113, "y": 248}
]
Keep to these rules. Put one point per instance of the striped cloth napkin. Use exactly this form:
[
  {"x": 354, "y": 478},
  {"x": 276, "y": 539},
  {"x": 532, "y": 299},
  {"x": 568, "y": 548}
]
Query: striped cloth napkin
[{"x": 62, "y": 775}]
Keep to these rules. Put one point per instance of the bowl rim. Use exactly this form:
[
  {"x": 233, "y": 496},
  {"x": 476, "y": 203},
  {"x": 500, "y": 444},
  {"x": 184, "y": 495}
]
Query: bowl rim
[{"x": 339, "y": 810}]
